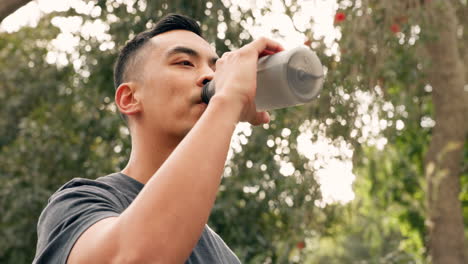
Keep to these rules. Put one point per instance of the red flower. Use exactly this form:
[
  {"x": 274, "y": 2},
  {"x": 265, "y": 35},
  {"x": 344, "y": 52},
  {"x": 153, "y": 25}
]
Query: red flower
[
  {"x": 395, "y": 28},
  {"x": 340, "y": 16},
  {"x": 308, "y": 42},
  {"x": 300, "y": 245}
]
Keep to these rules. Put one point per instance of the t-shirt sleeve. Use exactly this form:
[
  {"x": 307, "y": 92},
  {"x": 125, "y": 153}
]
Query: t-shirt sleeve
[{"x": 70, "y": 211}]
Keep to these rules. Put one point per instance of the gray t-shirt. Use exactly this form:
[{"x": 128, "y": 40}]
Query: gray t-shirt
[{"x": 82, "y": 202}]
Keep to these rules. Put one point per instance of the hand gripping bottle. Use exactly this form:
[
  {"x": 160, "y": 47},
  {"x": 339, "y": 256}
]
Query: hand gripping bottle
[{"x": 284, "y": 79}]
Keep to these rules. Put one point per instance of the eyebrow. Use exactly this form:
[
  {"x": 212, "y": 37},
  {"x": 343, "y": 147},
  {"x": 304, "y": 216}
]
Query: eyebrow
[{"x": 190, "y": 52}]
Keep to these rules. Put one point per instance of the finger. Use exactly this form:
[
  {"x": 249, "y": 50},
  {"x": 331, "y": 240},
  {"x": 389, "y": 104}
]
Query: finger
[
  {"x": 266, "y": 117},
  {"x": 266, "y": 45},
  {"x": 265, "y": 53},
  {"x": 260, "y": 118}
]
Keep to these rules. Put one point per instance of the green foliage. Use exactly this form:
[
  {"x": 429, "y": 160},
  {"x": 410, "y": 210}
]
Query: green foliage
[
  {"x": 262, "y": 213},
  {"x": 59, "y": 122}
]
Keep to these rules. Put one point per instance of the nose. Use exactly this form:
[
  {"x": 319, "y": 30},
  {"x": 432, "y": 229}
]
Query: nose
[{"x": 205, "y": 77}]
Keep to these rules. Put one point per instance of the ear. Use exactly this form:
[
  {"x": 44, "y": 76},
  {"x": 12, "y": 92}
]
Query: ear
[{"x": 126, "y": 100}]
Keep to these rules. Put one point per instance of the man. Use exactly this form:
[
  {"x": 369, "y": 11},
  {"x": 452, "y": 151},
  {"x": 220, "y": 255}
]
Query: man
[{"x": 156, "y": 209}]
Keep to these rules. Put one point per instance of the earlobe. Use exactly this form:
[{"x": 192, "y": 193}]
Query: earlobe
[{"x": 126, "y": 100}]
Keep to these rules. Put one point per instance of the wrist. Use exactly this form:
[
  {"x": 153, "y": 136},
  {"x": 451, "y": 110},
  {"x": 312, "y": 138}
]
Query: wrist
[{"x": 228, "y": 105}]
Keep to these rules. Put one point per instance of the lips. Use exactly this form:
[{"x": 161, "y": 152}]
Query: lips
[{"x": 197, "y": 99}]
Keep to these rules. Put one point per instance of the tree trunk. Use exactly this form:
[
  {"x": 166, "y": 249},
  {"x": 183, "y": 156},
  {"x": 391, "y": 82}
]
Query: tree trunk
[
  {"x": 9, "y": 6},
  {"x": 445, "y": 155}
]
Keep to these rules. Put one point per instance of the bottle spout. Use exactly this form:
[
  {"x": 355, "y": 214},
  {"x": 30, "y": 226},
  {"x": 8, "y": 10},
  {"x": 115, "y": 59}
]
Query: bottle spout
[{"x": 208, "y": 91}]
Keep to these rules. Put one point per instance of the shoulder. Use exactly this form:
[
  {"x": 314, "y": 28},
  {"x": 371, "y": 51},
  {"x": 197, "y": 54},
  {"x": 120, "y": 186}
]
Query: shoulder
[
  {"x": 99, "y": 184},
  {"x": 82, "y": 198},
  {"x": 77, "y": 198},
  {"x": 113, "y": 187},
  {"x": 74, "y": 207}
]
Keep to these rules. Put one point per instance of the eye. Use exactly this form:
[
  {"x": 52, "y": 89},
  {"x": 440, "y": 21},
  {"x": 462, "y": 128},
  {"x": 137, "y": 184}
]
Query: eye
[{"x": 185, "y": 63}]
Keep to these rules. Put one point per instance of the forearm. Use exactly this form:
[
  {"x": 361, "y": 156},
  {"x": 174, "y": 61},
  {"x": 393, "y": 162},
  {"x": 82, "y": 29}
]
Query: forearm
[{"x": 173, "y": 207}]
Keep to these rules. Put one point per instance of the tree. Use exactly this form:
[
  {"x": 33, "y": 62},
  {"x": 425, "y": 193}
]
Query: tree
[
  {"x": 443, "y": 73},
  {"x": 65, "y": 113},
  {"x": 59, "y": 122},
  {"x": 444, "y": 158}
]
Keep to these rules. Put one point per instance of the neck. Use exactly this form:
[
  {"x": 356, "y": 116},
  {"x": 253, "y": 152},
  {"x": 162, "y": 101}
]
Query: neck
[{"x": 148, "y": 153}]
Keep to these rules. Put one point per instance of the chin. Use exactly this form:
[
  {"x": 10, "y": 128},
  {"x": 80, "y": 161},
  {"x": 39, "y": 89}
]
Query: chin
[
  {"x": 184, "y": 132},
  {"x": 186, "y": 126}
]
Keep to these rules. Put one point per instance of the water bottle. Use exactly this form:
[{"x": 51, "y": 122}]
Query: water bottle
[{"x": 284, "y": 79}]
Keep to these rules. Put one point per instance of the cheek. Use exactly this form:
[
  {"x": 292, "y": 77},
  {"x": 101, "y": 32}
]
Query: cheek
[
  {"x": 168, "y": 93},
  {"x": 167, "y": 85},
  {"x": 156, "y": 90},
  {"x": 171, "y": 92},
  {"x": 164, "y": 99}
]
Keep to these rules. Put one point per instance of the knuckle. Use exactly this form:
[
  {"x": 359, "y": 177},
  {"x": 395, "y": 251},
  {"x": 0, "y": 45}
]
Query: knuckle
[
  {"x": 227, "y": 54},
  {"x": 221, "y": 60},
  {"x": 263, "y": 39},
  {"x": 242, "y": 52}
]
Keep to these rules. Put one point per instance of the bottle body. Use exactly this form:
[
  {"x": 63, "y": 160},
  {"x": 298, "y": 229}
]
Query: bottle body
[{"x": 284, "y": 79}]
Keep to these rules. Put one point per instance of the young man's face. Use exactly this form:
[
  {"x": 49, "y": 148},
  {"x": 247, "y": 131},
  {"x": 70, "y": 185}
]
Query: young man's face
[{"x": 177, "y": 64}]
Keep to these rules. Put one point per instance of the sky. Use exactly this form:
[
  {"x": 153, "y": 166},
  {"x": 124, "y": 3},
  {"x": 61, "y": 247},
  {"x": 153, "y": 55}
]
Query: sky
[{"x": 333, "y": 163}]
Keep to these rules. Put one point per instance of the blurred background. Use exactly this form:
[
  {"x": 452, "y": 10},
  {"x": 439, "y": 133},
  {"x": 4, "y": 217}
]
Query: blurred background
[{"x": 373, "y": 171}]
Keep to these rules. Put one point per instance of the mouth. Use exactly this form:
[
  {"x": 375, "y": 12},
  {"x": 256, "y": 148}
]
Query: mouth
[
  {"x": 199, "y": 103},
  {"x": 198, "y": 100}
]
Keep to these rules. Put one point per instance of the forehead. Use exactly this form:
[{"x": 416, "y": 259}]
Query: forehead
[{"x": 164, "y": 42}]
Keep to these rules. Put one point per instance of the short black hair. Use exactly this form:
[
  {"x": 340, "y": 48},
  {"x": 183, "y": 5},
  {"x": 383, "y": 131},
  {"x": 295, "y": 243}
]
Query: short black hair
[{"x": 132, "y": 47}]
